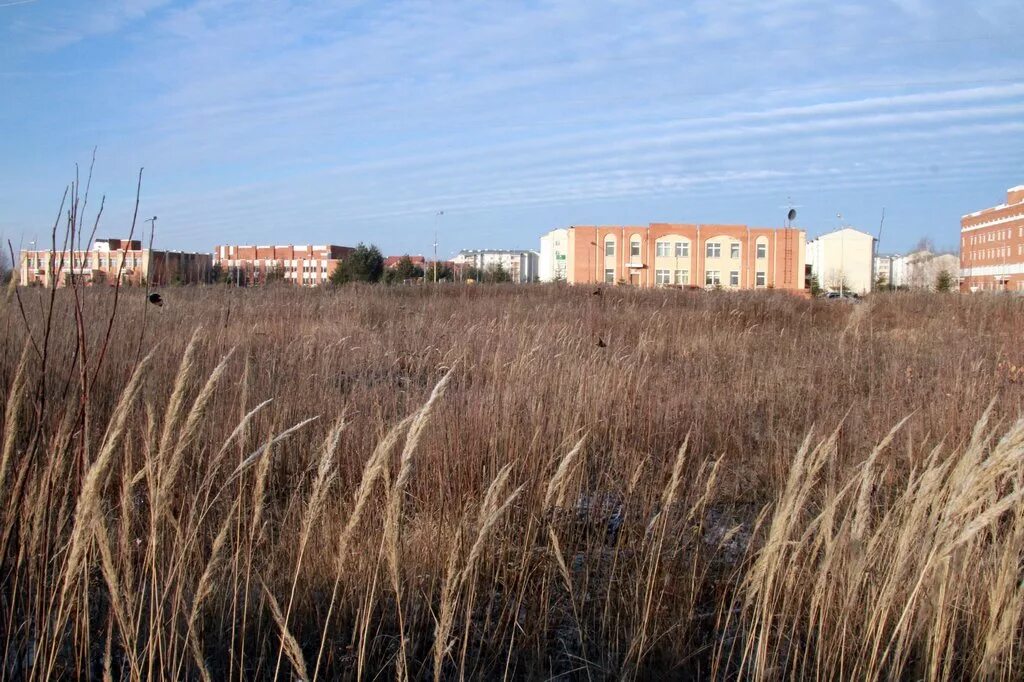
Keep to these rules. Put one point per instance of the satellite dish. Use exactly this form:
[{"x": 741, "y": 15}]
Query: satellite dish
[{"x": 791, "y": 216}]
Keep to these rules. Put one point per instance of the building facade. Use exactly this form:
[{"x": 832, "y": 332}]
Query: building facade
[
  {"x": 915, "y": 270},
  {"x": 522, "y": 266},
  {"x": 554, "y": 256},
  {"x": 843, "y": 260},
  {"x": 686, "y": 255},
  {"x": 992, "y": 246},
  {"x": 305, "y": 265},
  {"x": 886, "y": 273},
  {"x": 110, "y": 261}
]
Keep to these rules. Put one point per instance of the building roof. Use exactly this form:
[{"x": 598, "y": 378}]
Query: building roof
[
  {"x": 392, "y": 261},
  {"x": 496, "y": 251},
  {"x": 846, "y": 228}
]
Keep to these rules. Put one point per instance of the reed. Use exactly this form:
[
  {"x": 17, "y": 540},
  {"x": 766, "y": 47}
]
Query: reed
[{"x": 458, "y": 482}]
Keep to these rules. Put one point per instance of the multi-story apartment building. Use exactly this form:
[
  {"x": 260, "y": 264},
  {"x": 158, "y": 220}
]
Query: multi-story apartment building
[
  {"x": 992, "y": 246},
  {"x": 664, "y": 254},
  {"x": 304, "y": 265},
  {"x": 111, "y": 260},
  {"x": 843, "y": 260},
  {"x": 520, "y": 265},
  {"x": 916, "y": 270}
]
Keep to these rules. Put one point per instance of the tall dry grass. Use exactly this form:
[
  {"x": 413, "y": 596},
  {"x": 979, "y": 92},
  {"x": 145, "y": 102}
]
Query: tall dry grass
[{"x": 459, "y": 483}]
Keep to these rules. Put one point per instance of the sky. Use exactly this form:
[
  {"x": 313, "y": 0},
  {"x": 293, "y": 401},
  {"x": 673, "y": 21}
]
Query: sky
[{"x": 344, "y": 121}]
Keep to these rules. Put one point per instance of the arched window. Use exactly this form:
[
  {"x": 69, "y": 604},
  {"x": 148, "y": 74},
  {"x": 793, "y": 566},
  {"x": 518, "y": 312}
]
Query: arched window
[
  {"x": 634, "y": 246},
  {"x": 761, "y": 247},
  {"x": 609, "y": 246}
]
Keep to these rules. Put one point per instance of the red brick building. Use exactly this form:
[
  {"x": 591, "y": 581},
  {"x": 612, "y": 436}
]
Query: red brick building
[
  {"x": 304, "y": 265},
  {"x": 110, "y": 260},
  {"x": 992, "y": 246},
  {"x": 392, "y": 261}
]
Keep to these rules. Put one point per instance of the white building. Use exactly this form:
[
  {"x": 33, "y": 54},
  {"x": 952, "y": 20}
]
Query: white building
[
  {"x": 916, "y": 270},
  {"x": 554, "y": 250},
  {"x": 885, "y": 270},
  {"x": 522, "y": 266},
  {"x": 843, "y": 259}
]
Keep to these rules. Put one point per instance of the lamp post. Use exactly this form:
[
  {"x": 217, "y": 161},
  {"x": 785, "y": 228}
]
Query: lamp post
[
  {"x": 437, "y": 218},
  {"x": 842, "y": 255},
  {"x": 148, "y": 256}
]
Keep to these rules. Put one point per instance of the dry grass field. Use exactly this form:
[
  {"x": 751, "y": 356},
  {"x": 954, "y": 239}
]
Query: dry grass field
[{"x": 461, "y": 482}]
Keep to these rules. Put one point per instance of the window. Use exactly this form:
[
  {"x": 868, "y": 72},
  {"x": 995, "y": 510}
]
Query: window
[
  {"x": 762, "y": 251},
  {"x": 682, "y": 276},
  {"x": 759, "y": 279},
  {"x": 714, "y": 250},
  {"x": 662, "y": 277},
  {"x": 711, "y": 278},
  {"x": 609, "y": 275},
  {"x": 609, "y": 247},
  {"x": 634, "y": 247},
  {"x": 734, "y": 251},
  {"x": 734, "y": 278},
  {"x": 661, "y": 249},
  {"x": 682, "y": 249}
]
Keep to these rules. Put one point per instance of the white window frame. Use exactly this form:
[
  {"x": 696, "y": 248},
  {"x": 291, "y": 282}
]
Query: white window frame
[
  {"x": 713, "y": 250},
  {"x": 762, "y": 251},
  {"x": 734, "y": 250},
  {"x": 734, "y": 278}
]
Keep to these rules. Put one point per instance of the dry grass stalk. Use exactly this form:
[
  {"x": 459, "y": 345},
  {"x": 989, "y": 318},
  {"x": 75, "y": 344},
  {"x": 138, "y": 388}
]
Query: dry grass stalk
[
  {"x": 870, "y": 554},
  {"x": 291, "y": 645}
]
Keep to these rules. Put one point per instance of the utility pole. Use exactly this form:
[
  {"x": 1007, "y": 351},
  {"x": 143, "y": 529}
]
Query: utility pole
[{"x": 437, "y": 219}]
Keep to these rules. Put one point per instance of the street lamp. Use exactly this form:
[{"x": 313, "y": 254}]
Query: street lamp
[{"x": 437, "y": 218}]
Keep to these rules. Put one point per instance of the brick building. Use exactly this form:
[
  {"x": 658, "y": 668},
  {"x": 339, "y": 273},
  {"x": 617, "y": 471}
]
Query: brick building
[
  {"x": 305, "y": 265},
  {"x": 392, "y": 262},
  {"x": 664, "y": 254},
  {"x": 111, "y": 259},
  {"x": 992, "y": 246}
]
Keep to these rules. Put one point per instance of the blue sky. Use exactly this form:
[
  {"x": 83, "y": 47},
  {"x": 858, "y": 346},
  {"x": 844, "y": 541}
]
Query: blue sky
[{"x": 295, "y": 122}]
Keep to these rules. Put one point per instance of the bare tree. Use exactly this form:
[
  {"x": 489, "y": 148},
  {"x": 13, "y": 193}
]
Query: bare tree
[{"x": 925, "y": 244}]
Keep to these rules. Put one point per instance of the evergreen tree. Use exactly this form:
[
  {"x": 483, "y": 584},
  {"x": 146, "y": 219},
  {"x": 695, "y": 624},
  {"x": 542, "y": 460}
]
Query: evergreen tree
[{"x": 363, "y": 264}]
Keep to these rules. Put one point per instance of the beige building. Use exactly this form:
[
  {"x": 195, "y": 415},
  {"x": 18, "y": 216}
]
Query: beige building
[
  {"x": 110, "y": 261},
  {"x": 843, "y": 260}
]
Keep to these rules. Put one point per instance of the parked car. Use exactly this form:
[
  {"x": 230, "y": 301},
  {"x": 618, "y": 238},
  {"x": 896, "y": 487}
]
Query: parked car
[{"x": 845, "y": 296}]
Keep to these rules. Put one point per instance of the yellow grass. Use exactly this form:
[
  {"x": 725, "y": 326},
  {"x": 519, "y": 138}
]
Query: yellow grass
[{"x": 459, "y": 483}]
